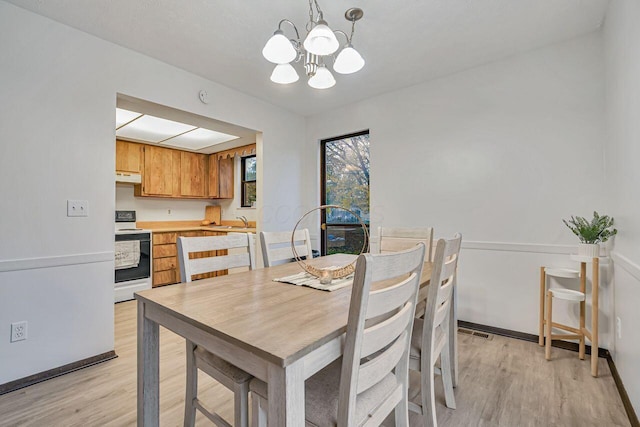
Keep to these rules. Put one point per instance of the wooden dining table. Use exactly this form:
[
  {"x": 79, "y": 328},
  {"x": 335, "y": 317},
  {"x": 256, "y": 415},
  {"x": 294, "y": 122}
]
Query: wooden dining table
[{"x": 277, "y": 332}]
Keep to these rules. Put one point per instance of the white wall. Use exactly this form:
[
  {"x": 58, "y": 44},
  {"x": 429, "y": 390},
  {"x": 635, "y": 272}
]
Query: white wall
[
  {"x": 501, "y": 153},
  {"x": 622, "y": 47},
  {"x": 58, "y": 91}
]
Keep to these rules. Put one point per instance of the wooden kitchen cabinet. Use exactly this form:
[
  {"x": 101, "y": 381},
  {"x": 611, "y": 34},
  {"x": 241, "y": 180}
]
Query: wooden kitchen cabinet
[
  {"x": 175, "y": 173},
  {"x": 214, "y": 186},
  {"x": 166, "y": 267},
  {"x": 225, "y": 178},
  {"x": 193, "y": 174},
  {"x": 220, "y": 177},
  {"x": 161, "y": 172},
  {"x": 128, "y": 157}
]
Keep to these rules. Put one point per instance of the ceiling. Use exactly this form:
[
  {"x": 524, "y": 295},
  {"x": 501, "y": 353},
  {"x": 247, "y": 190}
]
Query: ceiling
[
  {"x": 240, "y": 135},
  {"x": 404, "y": 42}
]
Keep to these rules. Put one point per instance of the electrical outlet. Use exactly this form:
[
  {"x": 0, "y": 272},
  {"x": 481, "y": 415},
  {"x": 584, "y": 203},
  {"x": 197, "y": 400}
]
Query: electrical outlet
[
  {"x": 619, "y": 328},
  {"x": 19, "y": 331},
  {"x": 77, "y": 208}
]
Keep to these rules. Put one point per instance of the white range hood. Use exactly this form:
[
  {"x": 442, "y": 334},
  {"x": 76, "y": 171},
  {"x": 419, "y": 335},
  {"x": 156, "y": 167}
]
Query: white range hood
[{"x": 131, "y": 178}]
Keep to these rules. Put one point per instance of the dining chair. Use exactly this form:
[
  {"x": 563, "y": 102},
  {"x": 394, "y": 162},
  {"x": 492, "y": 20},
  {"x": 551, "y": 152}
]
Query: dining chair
[
  {"x": 370, "y": 380},
  {"x": 276, "y": 246},
  {"x": 240, "y": 253},
  {"x": 432, "y": 333},
  {"x": 393, "y": 239}
]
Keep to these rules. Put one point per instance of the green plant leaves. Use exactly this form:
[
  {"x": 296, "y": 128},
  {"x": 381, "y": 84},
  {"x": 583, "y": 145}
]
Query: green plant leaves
[{"x": 595, "y": 231}]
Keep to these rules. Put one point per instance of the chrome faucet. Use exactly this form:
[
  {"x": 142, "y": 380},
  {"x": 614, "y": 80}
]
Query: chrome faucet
[{"x": 244, "y": 220}]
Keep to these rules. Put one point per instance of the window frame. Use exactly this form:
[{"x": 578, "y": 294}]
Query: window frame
[
  {"x": 243, "y": 161},
  {"x": 323, "y": 188}
]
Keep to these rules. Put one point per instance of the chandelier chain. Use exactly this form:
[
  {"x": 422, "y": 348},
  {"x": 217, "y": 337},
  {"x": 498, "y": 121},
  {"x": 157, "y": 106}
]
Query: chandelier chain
[
  {"x": 320, "y": 14},
  {"x": 310, "y": 23}
]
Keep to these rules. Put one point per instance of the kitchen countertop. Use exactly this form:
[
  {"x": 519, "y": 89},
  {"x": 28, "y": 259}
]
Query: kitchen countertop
[
  {"x": 219, "y": 228},
  {"x": 227, "y": 226}
]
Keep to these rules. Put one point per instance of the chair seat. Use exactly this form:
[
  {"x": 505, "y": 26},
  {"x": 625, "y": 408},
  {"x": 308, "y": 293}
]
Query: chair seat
[
  {"x": 562, "y": 272},
  {"x": 567, "y": 294},
  {"x": 321, "y": 396},
  {"x": 210, "y": 360}
]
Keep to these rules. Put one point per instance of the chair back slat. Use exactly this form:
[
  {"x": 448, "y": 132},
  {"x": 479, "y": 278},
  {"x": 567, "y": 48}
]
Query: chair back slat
[
  {"x": 440, "y": 314},
  {"x": 378, "y": 332},
  {"x": 374, "y": 370},
  {"x": 394, "y": 239},
  {"x": 384, "y": 333},
  {"x": 439, "y": 296},
  {"x": 392, "y": 296},
  {"x": 276, "y": 246},
  {"x": 445, "y": 292},
  {"x": 218, "y": 263},
  {"x": 234, "y": 243}
]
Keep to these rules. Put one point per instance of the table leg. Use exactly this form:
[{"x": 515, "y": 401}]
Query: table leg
[
  {"x": 148, "y": 370},
  {"x": 595, "y": 283},
  {"x": 286, "y": 395}
]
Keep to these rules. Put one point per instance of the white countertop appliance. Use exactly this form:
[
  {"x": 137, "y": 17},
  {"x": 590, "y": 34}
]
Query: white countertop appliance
[{"x": 132, "y": 257}]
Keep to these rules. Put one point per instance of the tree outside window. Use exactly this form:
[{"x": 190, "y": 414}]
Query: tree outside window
[{"x": 249, "y": 181}]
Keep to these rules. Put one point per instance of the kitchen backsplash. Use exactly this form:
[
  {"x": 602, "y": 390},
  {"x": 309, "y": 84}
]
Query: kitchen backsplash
[{"x": 148, "y": 209}]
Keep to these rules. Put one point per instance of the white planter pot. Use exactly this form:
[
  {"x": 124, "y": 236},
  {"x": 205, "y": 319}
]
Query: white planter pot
[{"x": 589, "y": 250}]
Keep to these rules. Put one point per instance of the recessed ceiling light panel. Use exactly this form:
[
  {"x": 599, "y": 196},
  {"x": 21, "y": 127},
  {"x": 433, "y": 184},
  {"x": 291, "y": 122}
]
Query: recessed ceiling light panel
[
  {"x": 125, "y": 116},
  {"x": 152, "y": 129},
  {"x": 199, "y": 138}
]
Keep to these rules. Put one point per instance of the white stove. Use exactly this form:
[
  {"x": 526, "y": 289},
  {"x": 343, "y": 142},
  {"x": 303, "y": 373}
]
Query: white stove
[{"x": 132, "y": 257}]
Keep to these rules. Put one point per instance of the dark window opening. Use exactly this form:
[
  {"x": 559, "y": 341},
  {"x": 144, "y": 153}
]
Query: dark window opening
[{"x": 248, "y": 181}]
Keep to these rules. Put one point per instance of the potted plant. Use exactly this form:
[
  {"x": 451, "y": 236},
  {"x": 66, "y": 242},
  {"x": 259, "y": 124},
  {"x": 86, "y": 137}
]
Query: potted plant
[{"x": 591, "y": 233}]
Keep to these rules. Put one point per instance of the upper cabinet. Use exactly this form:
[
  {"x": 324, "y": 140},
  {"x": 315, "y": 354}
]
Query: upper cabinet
[
  {"x": 128, "y": 157},
  {"x": 178, "y": 174},
  {"x": 225, "y": 178},
  {"x": 193, "y": 174},
  {"x": 214, "y": 179},
  {"x": 160, "y": 168}
]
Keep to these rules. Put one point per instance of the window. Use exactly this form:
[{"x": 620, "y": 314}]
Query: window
[
  {"x": 345, "y": 182},
  {"x": 249, "y": 182}
]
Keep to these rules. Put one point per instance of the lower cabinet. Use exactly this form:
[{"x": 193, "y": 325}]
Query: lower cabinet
[{"x": 166, "y": 268}]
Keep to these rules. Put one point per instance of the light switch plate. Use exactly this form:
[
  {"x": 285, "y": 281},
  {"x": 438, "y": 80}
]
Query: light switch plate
[{"x": 77, "y": 208}]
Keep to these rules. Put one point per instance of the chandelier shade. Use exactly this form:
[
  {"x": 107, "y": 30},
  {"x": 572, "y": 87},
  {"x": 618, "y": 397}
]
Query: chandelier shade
[
  {"x": 319, "y": 43},
  {"x": 348, "y": 61},
  {"x": 323, "y": 79},
  {"x": 321, "y": 40},
  {"x": 284, "y": 74},
  {"x": 279, "y": 49}
]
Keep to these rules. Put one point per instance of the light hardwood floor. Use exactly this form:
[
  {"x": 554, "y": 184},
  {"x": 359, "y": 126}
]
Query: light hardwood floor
[{"x": 503, "y": 382}]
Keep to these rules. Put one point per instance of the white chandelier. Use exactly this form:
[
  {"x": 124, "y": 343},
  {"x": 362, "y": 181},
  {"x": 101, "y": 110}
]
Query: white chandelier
[{"x": 320, "y": 42}]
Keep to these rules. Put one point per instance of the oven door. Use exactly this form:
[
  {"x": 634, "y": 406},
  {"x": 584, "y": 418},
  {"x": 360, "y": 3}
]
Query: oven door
[{"x": 143, "y": 269}]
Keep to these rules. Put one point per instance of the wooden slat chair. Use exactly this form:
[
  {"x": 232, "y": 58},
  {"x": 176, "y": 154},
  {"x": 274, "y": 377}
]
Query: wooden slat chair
[
  {"x": 219, "y": 369},
  {"x": 431, "y": 334},
  {"x": 393, "y": 239},
  {"x": 370, "y": 381},
  {"x": 276, "y": 246}
]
